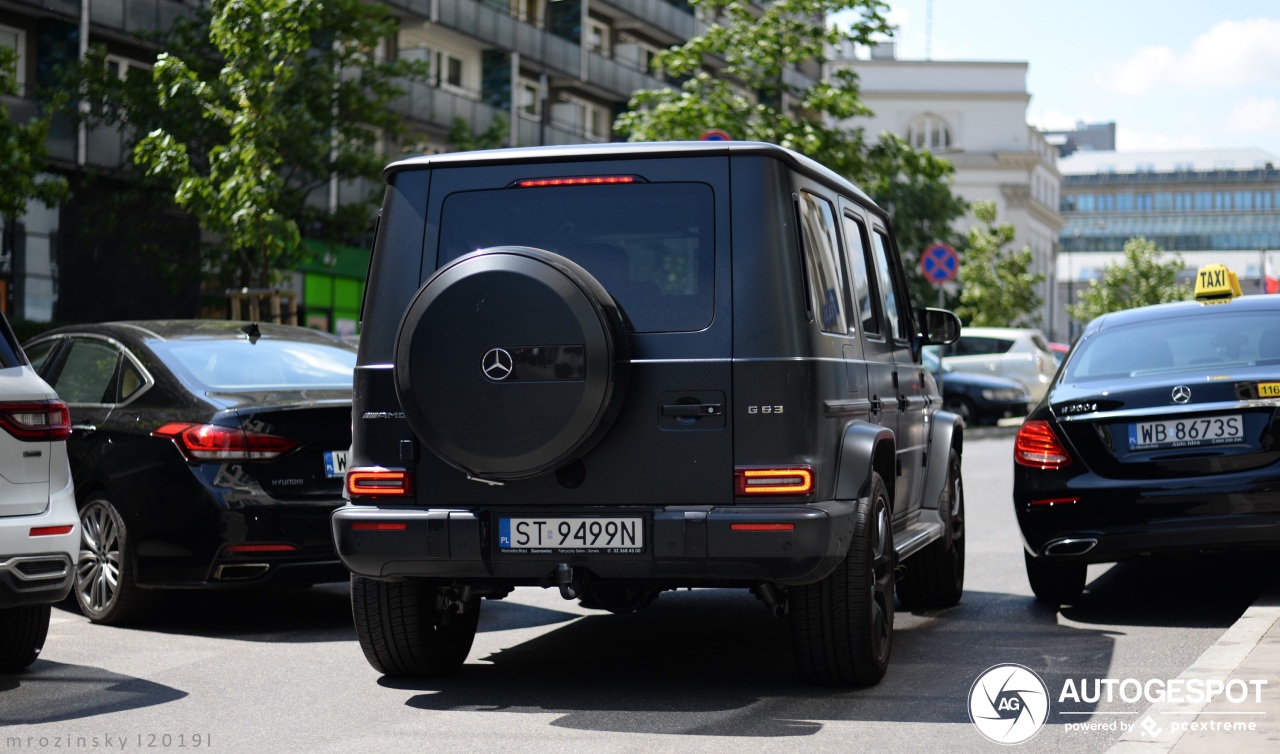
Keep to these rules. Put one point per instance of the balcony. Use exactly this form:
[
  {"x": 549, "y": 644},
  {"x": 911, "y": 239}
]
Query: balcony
[
  {"x": 505, "y": 32},
  {"x": 134, "y": 16},
  {"x": 441, "y": 108},
  {"x": 611, "y": 75},
  {"x": 531, "y": 133},
  {"x": 677, "y": 22}
]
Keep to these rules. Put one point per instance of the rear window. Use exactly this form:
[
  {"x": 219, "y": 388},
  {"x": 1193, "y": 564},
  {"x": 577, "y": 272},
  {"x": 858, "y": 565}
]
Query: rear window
[
  {"x": 1184, "y": 343},
  {"x": 238, "y": 364},
  {"x": 970, "y": 345},
  {"x": 651, "y": 245}
]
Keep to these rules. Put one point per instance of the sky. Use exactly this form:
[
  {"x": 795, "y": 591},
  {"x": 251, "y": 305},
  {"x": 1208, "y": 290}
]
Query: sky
[{"x": 1174, "y": 74}]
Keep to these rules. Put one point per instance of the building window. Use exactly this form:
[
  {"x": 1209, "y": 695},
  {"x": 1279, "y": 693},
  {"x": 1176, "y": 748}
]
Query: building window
[
  {"x": 1244, "y": 200},
  {"x": 1262, "y": 200},
  {"x": 529, "y": 102},
  {"x": 1204, "y": 201},
  {"x": 1164, "y": 201},
  {"x": 1182, "y": 201},
  {"x": 1085, "y": 203},
  {"x": 126, "y": 69},
  {"x": 1124, "y": 202},
  {"x": 1221, "y": 200},
  {"x": 1068, "y": 203},
  {"x": 598, "y": 37},
  {"x": 1183, "y": 167},
  {"x": 1106, "y": 202},
  {"x": 14, "y": 39},
  {"x": 1143, "y": 202},
  {"x": 929, "y": 132}
]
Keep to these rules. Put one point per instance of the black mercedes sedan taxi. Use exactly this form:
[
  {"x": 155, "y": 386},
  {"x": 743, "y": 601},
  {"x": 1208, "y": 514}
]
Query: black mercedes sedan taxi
[
  {"x": 204, "y": 454},
  {"x": 1160, "y": 434}
]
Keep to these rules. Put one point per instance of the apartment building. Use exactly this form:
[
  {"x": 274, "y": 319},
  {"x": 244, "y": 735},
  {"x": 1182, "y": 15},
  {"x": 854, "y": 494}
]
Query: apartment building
[{"x": 557, "y": 72}]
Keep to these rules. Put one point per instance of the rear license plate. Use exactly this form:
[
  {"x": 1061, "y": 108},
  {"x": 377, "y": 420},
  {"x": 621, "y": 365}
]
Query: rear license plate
[
  {"x": 335, "y": 463},
  {"x": 610, "y": 535},
  {"x": 1186, "y": 433}
]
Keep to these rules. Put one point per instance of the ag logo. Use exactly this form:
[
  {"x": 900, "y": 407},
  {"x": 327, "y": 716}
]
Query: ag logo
[{"x": 1008, "y": 704}]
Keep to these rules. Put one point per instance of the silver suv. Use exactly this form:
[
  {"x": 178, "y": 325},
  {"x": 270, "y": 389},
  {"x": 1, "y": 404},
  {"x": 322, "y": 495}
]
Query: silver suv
[{"x": 39, "y": 528}]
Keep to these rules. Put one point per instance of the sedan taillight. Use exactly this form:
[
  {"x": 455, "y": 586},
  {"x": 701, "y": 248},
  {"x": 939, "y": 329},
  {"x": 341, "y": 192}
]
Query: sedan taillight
[
  {"x": 36, "y": 421},
  {"x": 209, "y": 442},
  {"x": 1037, "y": 446}
]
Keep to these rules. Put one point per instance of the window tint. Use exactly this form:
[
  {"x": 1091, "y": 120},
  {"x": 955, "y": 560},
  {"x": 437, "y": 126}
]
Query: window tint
[
  {"x": 822, "y": 262},
  {"x": 855, "y": 239},
  {"x": 131, "y": 380},
  {"x": 234, "y": 364},
  {"x": 889, "y": 295},
  {"x": 970, "y": 345},
  {"x": 38, "y": 353},
  {"x": 651, "y": 245},
  {"x": 86, "y": 373},
  {"x": 1231, "y": 340}
]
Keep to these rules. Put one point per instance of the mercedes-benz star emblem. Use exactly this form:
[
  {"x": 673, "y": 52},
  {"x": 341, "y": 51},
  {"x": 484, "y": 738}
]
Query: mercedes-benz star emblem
[
  {"x": 497, "y": 364},
  {"x": 1181, "y": 394}
]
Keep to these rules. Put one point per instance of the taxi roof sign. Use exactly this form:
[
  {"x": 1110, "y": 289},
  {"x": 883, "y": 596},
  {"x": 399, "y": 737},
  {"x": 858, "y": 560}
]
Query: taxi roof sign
[{"x": 1215, "y": 284}]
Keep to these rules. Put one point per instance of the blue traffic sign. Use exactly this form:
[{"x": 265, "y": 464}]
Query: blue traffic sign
[{"x": 939, "y": 263}]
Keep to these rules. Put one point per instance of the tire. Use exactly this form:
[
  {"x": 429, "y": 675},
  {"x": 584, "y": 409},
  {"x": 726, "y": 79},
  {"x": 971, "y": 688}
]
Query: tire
[
  {"x": 22, "y": 633},
  {"x": 511, "y": 362},
  {"x": 1055, "y": 582},
  {"x": 962, "y": 407},
  {"x": 934, "y": 577},
  {"x": 405, "y": 634},
  {"x": 104, "y": 585},
  {"x": 842, "y": 626}
]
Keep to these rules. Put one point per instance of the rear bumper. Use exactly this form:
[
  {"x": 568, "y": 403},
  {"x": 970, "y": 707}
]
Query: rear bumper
[
  {"x": 37, "y": 570},
  {"x": 693, "y": 546},
  {"x": 1115, "y": 542}
]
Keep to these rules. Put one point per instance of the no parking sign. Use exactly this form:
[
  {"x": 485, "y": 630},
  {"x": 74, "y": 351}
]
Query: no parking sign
[{"x": 939, "y": 263}]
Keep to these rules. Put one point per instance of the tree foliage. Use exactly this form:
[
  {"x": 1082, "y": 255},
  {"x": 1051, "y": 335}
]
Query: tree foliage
[
  {"x": 462, "y": 139},
  {"x": 255, "y": 106},
  {"x": 753, "y": 98},
  {"x": 1142, "y": 279},
  {"x": 997, "y": 287},
  {"x": 22, "y": 151}
]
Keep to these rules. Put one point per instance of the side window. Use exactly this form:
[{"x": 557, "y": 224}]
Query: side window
[
  {"x": 855, "y": 243},
  {"x": 87, "y": 373},
  {"x": 38, "y": 353},
  {"x": 890, "y": 295},
  {"x": 822, "y": 263},
  {"x": 131, "y": 380}
]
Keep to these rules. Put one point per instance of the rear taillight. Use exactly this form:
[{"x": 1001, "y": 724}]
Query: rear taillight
[
  {"x": 794, "y": 480},
  {"x": 1037, "y": 446},
  {"x": 208, "y": 442},
  {"x": 379, "y": 482},
  {"x": 36, "y": 421}
]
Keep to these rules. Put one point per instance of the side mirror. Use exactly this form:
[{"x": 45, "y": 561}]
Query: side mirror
[{"x": 938, "y": 327}]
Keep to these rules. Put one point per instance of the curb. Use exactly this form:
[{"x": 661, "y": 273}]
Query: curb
[{"x": 1260, "y": 623}]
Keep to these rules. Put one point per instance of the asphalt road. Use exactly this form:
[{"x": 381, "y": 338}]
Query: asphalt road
[{"x": 707, "y": 670}]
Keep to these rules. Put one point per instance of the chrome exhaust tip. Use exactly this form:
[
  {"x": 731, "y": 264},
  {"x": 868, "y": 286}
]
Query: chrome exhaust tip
[
  {"x": 240, "y": 571},
  {"x": 1066, "y": 547}
]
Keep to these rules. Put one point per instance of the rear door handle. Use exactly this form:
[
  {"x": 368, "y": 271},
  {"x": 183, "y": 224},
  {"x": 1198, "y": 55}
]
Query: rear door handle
[{"x": 693, "y": 409}]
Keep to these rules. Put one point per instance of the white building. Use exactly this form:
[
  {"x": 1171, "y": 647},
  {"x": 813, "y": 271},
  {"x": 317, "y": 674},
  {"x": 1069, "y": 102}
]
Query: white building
[{"x": 975, "y": 115}]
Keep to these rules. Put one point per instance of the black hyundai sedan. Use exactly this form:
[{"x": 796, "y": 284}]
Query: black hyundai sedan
[
  {"x": 204, "y": 454},
  {"x": 1161, "y": 434}
]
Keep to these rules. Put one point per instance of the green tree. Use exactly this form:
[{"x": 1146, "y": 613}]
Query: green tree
[
  {"x": 997, "y": 287},
  {"x": 1142, "y": 279},
  {"x": 462, "y": 139},
  {"x": 22, "y": 151},
  {"x": 756, "y": 47},
  {"x": 255, "y": 106}
]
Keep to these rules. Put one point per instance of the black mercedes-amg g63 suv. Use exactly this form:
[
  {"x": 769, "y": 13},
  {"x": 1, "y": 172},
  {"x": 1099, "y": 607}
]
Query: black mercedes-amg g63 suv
[{"x": 618, "y": 369}]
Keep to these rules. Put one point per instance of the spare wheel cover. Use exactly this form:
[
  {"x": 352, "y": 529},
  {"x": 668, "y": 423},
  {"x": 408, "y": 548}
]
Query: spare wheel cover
[{"x": 511, "y": 362}]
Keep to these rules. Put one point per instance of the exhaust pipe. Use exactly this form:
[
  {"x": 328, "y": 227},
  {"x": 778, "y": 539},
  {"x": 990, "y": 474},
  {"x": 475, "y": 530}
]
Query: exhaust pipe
[
  {"x": 1070, "y": 546},
  {"x": 240, "y": 571}
]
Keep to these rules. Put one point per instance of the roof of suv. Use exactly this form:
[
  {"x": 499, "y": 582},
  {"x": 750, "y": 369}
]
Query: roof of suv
[{"x": 627, "y": 150}]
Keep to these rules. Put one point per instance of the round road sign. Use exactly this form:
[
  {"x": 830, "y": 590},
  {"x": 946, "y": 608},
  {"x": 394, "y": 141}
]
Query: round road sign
[
  {"x": 714, "y": 134},
  {"x": 939, "y": 263}
]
